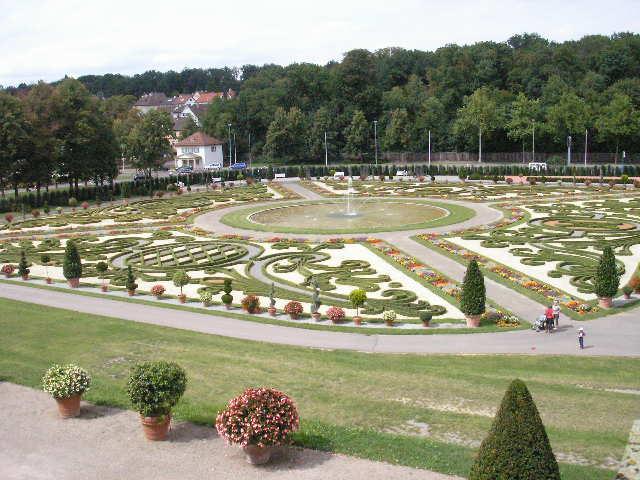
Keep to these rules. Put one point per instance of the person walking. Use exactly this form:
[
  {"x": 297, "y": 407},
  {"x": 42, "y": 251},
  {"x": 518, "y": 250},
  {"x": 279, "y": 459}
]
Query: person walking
[
  {"x": 556, "y": 314},
  {"x": 548, "y": 314},
  {"x": 581, "y": 336}
]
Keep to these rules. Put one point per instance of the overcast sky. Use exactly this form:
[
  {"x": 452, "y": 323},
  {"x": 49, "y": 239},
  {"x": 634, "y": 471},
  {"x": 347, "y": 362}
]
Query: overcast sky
[{"x": 46, "y": 39}]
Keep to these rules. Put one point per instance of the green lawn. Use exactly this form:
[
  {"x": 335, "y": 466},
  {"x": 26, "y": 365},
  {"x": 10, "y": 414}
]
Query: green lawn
[{"x": 368, "y": 405}]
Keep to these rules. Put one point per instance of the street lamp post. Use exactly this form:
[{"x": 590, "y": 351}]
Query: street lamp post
[
  {"x": 533, "y": 143},
  {"x": 569, "y": 151},
  {"x": 429, "y": 147},
  {"x": 326, "y": 153},
  {"x": 479, "y": 144},
  {"x": 235, "y": 149},
  {"x": 249, "y": 149},
  {"x": 229, "y": 125},
  {"x": 586, "y": 138},
  {"x": 375, "y": 139}
]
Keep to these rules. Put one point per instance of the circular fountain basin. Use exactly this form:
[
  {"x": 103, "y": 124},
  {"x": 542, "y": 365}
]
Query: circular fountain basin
[{"x": 334, "y": 217}]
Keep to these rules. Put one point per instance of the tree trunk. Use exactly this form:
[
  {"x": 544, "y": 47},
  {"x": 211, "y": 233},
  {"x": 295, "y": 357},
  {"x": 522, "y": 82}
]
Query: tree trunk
[{"x": 38, "y": 187}]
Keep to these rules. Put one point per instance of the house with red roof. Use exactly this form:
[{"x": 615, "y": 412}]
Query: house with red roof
[{"x": 199, "y": 151}]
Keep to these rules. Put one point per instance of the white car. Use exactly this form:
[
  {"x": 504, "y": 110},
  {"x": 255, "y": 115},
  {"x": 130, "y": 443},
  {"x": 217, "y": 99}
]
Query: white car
[{"x": 213, "y": 166}]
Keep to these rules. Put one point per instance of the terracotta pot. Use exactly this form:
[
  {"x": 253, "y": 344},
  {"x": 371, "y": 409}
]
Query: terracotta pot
[
  {"x": 25, "y": 277},
  {"x": 473, "y": 321},
  {"x": 182, "y": 298},
  {"x": 49, "y": 280},
  {"x": 357, "y": 320},
  {"x": 205, "y": 304},
  {"x": 228, "y": 306},
  {"x": 627, "y": 296},
  {"x": 294, "y": 316},
  {"x": 316, "y": 316},
  {"x": 156, "y": 428},
  {"x": 73, "y": 282},
  {"x": 69, "y": 407},
  {"x": 131, "y": 292},
  {"x": 388, "y": 323},
  {"x": 605, "y": 302},
  {"x": 104, "y": 288},
  {"x": 425, "y": 324},
  {"x": 158, "y": 297},
  {"x": 256, "y": 455},
  {"x": 272, "y": 311}
]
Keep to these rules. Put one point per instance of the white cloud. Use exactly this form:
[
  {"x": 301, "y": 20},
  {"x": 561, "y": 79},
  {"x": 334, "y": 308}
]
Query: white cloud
[{"x": 48, "y": 39}]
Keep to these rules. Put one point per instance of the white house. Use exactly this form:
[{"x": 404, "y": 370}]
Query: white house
[{"x": 199, "y": 151}]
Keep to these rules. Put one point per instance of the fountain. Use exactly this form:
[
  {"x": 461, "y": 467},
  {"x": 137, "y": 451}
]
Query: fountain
[{"x": 349, "y": 212}]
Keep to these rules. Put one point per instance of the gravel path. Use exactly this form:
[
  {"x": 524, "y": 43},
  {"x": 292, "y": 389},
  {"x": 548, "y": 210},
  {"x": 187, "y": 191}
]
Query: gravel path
[{"x": 108, "y": 444}]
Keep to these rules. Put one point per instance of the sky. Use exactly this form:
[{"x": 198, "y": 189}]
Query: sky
[{"x": 48, "y": 39}]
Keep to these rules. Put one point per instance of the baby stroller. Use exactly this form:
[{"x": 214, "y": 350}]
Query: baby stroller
[{"x": 538, "y": 324}]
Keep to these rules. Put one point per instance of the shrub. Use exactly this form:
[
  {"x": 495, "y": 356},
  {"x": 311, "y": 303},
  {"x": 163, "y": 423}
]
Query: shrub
[
  {"x": 517, "y": 446},
  {"x": 389, "y": 316},
  {"x": 101, "y": 268},
  {"x": 8, "y": 269},
  {"x": 72, "y": 266},
  {"x": 262, "y": 417},
  {"x": 8, "y": 217},
  {"x": 635, "y": 283},
  {"x": 251, "y": 303},
  {"x": 180, "y": 279},
  {"x": 227, "y": 288},
  {"x": 35, "y": 213},
  {"x": 45, "y": 208},
  {"x": 155, "y": 387},
  {"x": 45, "y": 259},
  {"x": 607, "y": 279},
  {"x": 357, "y": 298},
  {"x": 205, "y": 297},
  {"x": 627, "y": 289},
  {"x": 64, "y": 381},
  {"x": 157, "y": 290},
  {"x": 22, "y": 265},
  {"x": 335, "y": 314},
  {"x": 293, "y": 308},
  {"x": 84, "y": 205},
  {"x": 473, "y": 299},
  {"x": 72, "y": 202},
  {"x": 131, "y": 279},
  {"x": 425, "y": 316}
]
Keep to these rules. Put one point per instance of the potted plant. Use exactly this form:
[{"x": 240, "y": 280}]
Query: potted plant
[
  {"x": 180, "y": 279},
  {"x": 357, "y": 298},
  {"x": 251, "y": 303},
  {"x": 9, "y": 218},
  {"x": 272, "y": 300},
  {"x": 131, "y": 282},
  {"x": 315, "y": 304},
  {"x": 205, "y": 297},
  {"x": 389, "y": 316},
  {"x": 425, "y": 318},
  {"x": 72, "y": 266},
  {"x": 154, "y": 388},
  {"x": 294, "y": 309},
  {"x": 635, "y": 283},
  {"x": 23, "y": 271},
  {"x": 101, "y": 268},
  {"x": 627, "y": 290},
  {"x": 335, "y": 314},
  {"x": 66, "y": 383},
  {"x": 607, "y": 279},
  {"x": 157, "y": 291},
  {"x": 46, "y": 260},
  {"x": 8, "y": 270},
  {"x": 473, "y": 296},
  {"x": 227, "y": 298},
  {"x": 257, "y": 421}
]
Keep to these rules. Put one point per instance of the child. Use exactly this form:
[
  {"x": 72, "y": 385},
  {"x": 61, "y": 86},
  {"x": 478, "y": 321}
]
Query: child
[
  {"x": 548, "y": 324},
  {"x": 556, "y": 314},
  {"x": 581, "y": 336}
]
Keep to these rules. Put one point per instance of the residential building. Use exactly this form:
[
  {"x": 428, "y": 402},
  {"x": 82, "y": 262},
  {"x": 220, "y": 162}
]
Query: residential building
[{"x": 199, "y": 151}]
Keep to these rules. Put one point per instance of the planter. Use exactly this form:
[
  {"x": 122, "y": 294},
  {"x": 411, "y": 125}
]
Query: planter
[
  {"x": 425, "y": 323},
  {"x": 228, "y": 306},
  {"x": 272, "y": 311},
  {"x": 131, "y": 292},
  {"x": 104, "y": 288},
  {"x": 256, "y": 455},
  {"x": 473, "y": 321},
  {"x": 605, "y": 302},
  {"x": 158, "y": 297},
  {"x": 316, "y": 316},
  {"x": 294, "y": 316},
  {"x": 182, "y": 298},
  {"x": 205, "y": 304},
  {"x": 357, "y": 320},
  {"x": 156, "y": 428},
  {"x": 388, "y": 323},
  {"x": 627, "y": 296},
  {"x": 7, "y": 275},
  {"x": 49, "y": 280},
  {"x": 69, "y": 407},
  {"x": 73, "y": 282},
  {"x": 25, "y": 277}
]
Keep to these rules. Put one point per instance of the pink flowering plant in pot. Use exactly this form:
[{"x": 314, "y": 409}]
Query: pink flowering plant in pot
[
  {"x": 335, "y": 314},
  {"x": 294, "y": 309},
  {"x": 257, "y": 420}
]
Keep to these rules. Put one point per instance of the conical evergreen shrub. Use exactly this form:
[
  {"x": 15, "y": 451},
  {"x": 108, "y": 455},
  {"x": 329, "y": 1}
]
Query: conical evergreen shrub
[
  {"x": 473, "y": 298},
  {"x": 517, "y": 446},
  {"x": 607, "y": 279},
  {"x": 72, "y": 266}
]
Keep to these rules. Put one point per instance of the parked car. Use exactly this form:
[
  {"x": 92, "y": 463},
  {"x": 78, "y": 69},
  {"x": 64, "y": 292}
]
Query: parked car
[
  {"x": 139, "y": 176},
  {"x": 184, "y": 169},
  {"x": 238, "y": 166},
  {"x": 213, "y": 166}
]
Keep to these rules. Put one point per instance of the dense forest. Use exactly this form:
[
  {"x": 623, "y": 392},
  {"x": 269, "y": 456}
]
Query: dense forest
[{"x": 501, "y": 90}]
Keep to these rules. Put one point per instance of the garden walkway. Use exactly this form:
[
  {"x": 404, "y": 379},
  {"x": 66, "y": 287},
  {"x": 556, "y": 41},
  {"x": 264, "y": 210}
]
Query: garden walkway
[{"x": 107, "y": 444}]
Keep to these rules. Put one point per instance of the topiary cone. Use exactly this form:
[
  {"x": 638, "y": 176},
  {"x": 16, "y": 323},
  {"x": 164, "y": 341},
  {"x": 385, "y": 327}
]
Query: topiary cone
[{"x": 517, "y": 446}]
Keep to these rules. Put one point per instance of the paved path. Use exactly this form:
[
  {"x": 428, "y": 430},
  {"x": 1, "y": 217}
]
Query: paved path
[
  {"x": 108, "y": 444},
  {"x": 619, "y": 336}
]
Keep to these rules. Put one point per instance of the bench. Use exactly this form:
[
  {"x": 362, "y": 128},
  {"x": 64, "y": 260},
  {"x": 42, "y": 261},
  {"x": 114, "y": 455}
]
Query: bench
[{"x": 280, "y": 175}]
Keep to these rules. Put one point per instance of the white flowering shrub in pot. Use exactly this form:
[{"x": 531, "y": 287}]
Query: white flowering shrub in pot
[{"x": 66, "y": 383}]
